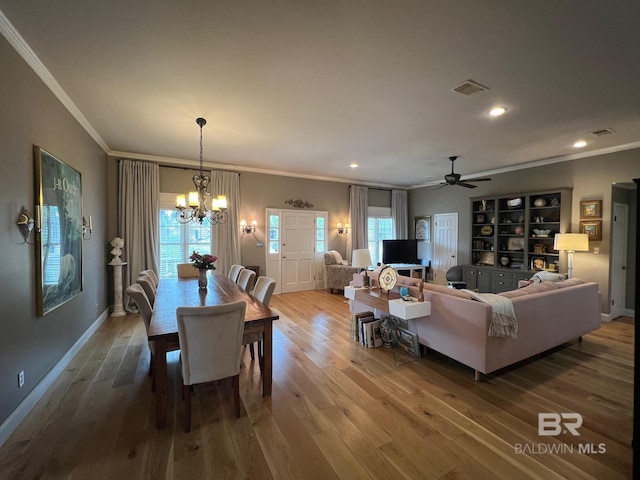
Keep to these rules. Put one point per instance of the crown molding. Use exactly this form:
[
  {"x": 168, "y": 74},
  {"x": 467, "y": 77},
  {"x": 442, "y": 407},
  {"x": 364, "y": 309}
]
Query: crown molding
[{"x": 29, "y": 56}]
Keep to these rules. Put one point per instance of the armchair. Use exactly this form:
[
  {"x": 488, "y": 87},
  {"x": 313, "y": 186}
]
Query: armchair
[{"x": 338, "y": 272}]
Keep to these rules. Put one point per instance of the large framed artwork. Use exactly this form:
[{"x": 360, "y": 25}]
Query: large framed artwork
[
  {"x": 423, "y": 228},
  {"x": 59, "y": 243}
]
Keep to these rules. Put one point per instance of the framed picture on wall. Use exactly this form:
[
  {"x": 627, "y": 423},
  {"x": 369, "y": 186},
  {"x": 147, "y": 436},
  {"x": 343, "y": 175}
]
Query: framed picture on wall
[
  {"x": 59, "y": 242},
  {"x": 593, "y": 228},
  {"x": 591, "y": 209},
  {"x": 423, "y": 228}
]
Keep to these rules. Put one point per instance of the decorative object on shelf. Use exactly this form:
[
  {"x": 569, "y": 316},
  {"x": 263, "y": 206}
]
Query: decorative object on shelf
[
  {"x": 26, "y": 224},
  {"x": 571, "y": 242},
  {"x": 361, "y": 258},
  {"x": 515, "y": 244},
  {"x": 504, "y": 261},
  {"x": 117, "y": 245},
  {"x": 521, "y": 219},
  {"x": 519, "y": 230},
  {"x": 514, "y": 202},
  {"x": 539, "y": 202},
  {"x": 298, "y": 203},
  {"x": 539, "y": 248},
  {"x": 555, "y": 202},
  {"x": 197, "y": 209},
  {"x": 591, "y": 209},
  {"x": 487, "y": 258},
  {"x": 423, "y": 228},
  {"x": 538, "y": 263},
  {"x": 538, "y": 219},
  {"x": 487, "y": 230},
  {"x": 483, "y": 206},
  {"x": 343, "y": 230},
  {"x": 387, "y": 279},
  {"x": 593, "y": 229},
  {"x": 248, "y": 229},
  {"x": 479, "y": 218},
  {"x": 59, "y": 225},
  {"x": 541, "y": 232}
]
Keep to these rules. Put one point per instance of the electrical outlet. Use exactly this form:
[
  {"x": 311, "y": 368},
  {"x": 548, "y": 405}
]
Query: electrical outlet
[{"x": 21, "y": 379}]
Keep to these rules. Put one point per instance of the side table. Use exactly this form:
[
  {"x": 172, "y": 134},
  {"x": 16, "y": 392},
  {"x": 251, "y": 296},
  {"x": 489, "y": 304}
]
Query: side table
[{"x": 118, "y": 307}]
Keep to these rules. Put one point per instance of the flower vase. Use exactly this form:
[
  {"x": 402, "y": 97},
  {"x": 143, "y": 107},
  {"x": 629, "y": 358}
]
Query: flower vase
[{"x": 202, "y": 279}]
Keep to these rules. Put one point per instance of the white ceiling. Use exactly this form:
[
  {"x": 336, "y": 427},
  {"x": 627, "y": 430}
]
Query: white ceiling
[{"x": 307, "y": 87}]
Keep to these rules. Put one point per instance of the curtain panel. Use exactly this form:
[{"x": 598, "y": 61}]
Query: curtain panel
[
  {"x": 138, "y": 190},
  {"x": 358, "y": 216},
  {"x": 226, "y": 236},
  {"x": 399, "y": 213}
]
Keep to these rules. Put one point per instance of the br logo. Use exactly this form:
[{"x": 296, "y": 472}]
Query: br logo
[{"x": 552, "y": 424}]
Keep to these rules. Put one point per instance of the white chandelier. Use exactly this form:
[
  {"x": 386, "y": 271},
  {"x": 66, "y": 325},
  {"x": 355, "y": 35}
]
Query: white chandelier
[{"x": 196, "y": 210}]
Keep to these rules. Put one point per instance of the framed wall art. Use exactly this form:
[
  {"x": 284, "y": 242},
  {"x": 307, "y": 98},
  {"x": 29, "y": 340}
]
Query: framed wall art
[
  {"x": 593, "y": 228},
  {"x": 59, "y": 243},
  {"x": 423, "y": 228},
  {"x": 591, "y": 209}
]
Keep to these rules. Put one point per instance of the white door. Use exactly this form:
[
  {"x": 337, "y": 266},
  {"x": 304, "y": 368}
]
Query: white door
[
  {"x": 445, "y": 245},
  {"x": 298, "y": 252},
  {"x": 619, "y": 259}
]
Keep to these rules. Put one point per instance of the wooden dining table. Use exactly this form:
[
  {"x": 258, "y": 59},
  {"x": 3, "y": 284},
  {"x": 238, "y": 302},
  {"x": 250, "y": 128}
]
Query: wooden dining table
[{"x": 163, "y": 329}]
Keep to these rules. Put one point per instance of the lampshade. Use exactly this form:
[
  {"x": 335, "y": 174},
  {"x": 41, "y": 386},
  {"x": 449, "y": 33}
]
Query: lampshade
[
  {"x": 361, "y": 258},
  {"x": 575, "y": 242}
]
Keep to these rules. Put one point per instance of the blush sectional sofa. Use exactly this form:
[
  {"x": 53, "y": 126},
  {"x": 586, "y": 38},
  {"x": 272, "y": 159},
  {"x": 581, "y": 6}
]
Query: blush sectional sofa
[{"x": 548, "y": 315}]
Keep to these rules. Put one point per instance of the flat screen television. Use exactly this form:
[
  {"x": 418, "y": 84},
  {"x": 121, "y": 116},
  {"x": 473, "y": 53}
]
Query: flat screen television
[{"x": 400, "y": 251}]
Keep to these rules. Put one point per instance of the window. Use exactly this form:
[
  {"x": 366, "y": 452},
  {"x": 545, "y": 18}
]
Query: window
[
  {"x": 380, "y": 227},
  {"x": 178, "y": 241},
  {"x": 320, "y": 234},
  {"x": 274, "y": 234}
]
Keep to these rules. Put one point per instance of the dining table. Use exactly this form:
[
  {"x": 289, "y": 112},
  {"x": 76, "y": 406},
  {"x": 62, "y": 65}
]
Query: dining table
[{"x": 184, "y": 292}]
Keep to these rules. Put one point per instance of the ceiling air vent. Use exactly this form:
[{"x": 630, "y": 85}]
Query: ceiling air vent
[
  {"x": 602, "y": 131},
  {"x": 469, "y": 87}
]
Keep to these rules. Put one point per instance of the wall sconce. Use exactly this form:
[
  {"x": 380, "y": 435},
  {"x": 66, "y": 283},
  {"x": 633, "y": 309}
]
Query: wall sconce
[
  {"x": 343, "y": 230},
  {"x": 248, "y": 229},
  {"x": 87, "y": 228},
  {"x": 26, "y": 223}
]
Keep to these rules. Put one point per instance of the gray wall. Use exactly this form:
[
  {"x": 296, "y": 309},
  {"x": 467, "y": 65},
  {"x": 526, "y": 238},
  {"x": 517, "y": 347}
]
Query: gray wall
[
  {"x": 31, "y": 115},
  {"x": 590, "y": 178}
]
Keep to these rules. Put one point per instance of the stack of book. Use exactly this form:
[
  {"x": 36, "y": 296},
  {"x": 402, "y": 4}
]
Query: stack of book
[{"x": 368, "y": 330}]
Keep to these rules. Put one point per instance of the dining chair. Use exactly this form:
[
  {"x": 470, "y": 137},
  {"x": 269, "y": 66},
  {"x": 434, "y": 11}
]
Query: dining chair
[
  {"x": 234, "y": 271},
  {"x": 263, "y": 291},
  {"x": 149, "y": 288},
  {"x": 210, "y": 348},
  {"x": 187, "y": 270},
  {"x": 139, "y": 297},
  {"x": 246, "y": 278},
  {"x": 153, "y": 276}
]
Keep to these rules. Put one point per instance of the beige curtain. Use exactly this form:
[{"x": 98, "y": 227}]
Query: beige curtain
[
  {"x": 358, "y": 217},
  {"x": 399, "y": 213},
  {"x": 226, "y": 236},
  {"x": 138, "y": 188}
]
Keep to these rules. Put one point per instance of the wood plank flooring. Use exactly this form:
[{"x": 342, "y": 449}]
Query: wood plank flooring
[{"x": 338, "y": 411}]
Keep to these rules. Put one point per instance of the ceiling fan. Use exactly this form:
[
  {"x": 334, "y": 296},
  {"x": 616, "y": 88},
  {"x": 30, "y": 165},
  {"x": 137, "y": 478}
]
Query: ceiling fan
[{"x": 454, "y": 178}]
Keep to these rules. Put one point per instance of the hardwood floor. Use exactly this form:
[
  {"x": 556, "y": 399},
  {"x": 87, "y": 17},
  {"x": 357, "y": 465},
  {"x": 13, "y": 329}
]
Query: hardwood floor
[{"x": 337, "y": 411}]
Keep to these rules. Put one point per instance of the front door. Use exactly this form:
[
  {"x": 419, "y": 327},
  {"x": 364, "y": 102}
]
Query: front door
[
  {"x": 445, "y": 245},
  {"x": 298, "y": 252}
]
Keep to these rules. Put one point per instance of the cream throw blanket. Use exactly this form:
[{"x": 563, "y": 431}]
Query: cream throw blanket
[{"x": 503, "y": 318}]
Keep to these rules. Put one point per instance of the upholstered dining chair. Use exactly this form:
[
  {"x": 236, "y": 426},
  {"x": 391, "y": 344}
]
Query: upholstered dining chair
[
  {"x": 149, "y": 288},
  {"x": 137, "y": 295},
  {"x": 246, "y": 278},
  {"x": 187, "y": 270},
  {"x": 210, "y": 348},
  {"x": 263, "y": 291},
  {"x": 234, "y": 271},
  {"x": 151, "y": 274}
]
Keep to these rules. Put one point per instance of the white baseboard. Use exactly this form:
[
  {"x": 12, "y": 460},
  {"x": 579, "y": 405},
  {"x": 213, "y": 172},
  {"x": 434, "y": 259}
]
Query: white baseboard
[{"x": 22, "y": 410}]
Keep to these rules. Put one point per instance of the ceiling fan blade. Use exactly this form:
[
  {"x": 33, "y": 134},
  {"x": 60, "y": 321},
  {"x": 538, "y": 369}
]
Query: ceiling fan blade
[
  {"x": 462, "y": 183},
  {"x": 487, "y": 179}
]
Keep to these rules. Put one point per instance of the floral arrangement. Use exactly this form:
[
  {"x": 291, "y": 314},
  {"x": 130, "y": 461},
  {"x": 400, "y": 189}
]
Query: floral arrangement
[{"x": 203, "y": 262}]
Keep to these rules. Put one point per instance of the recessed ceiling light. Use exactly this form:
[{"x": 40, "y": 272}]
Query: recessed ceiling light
[
  {"x": 580, "y": 144},
  {"x": 354, "y": 165},
  {"x": 497, "y": 111}
]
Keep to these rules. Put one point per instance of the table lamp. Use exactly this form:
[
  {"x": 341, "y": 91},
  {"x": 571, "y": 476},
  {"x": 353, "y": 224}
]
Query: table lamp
[
  {"x": 361, "y": 258},
  {"x": 571, "y": 242}
]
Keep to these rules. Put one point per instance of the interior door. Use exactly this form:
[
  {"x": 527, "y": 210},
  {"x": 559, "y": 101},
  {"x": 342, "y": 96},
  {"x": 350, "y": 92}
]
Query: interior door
[
  {"x": 619, "y": 259},
  {"x": 298, "y": 252},
  {"x": 445, "y": 245}
]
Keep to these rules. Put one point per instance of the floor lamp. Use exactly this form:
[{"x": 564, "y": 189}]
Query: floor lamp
[
  {"x": 571, "y": 242},
  {"x": 361, "y": 258}
]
